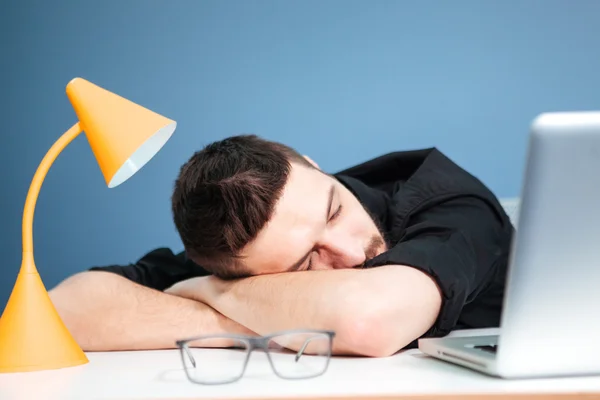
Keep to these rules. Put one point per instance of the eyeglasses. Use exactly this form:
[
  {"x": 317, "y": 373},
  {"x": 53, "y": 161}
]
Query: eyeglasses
[{"x": 292, "y": 354}]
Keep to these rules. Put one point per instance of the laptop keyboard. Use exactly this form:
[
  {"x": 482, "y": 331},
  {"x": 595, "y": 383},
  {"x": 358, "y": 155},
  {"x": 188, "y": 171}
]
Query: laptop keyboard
[{"x": 492, "y": 348}]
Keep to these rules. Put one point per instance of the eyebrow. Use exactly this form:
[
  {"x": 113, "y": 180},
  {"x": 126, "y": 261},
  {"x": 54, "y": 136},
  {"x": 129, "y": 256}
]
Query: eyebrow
[{"x": 301, "y": 261}]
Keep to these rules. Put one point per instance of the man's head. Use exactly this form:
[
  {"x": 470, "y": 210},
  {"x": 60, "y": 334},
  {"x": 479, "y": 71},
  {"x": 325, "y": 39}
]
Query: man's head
[{"x": 248, "y": 206}]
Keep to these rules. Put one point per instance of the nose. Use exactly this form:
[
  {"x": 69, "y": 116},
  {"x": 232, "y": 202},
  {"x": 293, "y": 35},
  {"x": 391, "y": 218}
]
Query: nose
[{"x": 342, "y": 252}]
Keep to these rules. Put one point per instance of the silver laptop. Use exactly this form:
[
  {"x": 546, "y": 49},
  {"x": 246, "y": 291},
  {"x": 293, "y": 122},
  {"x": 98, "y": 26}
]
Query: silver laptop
[{"x": 550, "y": 323}]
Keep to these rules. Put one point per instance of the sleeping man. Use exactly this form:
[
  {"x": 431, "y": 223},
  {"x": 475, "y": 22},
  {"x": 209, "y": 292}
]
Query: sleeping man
[{"x": 403, "y": 246}]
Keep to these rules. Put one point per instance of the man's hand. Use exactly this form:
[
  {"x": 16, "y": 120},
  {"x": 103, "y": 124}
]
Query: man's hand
[{"x": 375, "y": 312}]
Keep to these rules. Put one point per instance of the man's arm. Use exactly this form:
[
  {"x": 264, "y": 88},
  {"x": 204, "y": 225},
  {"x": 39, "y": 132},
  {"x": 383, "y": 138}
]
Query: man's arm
[
  {"x": 375, "y": 312},
  {"x": 105, "y": 312},
  {"x": 455, "y": 250}
]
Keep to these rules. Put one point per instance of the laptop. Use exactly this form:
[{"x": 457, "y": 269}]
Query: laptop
[{"x": 550, "y": 324}]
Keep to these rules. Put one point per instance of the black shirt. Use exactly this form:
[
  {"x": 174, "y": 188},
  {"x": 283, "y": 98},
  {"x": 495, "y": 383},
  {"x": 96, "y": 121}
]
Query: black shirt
[{"x": 435, "y": 217}]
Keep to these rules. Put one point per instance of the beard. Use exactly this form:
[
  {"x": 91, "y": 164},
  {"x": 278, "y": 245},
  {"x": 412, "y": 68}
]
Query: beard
[{"x": 376, "y": 246}]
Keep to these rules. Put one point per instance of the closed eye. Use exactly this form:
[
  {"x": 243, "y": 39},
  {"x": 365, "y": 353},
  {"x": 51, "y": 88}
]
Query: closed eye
[{"x": 337, "y": 213}]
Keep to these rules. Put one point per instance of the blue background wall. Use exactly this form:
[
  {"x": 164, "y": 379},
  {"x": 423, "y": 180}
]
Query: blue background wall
[{"x": 342, "y": 81}]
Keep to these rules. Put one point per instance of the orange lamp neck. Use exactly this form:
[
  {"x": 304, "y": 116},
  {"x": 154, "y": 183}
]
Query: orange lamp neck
[{"x": 28, "y": 265}]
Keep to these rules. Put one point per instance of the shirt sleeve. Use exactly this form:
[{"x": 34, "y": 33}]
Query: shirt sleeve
[
  {"x": 462, "y": 244},
  {"x": 158, "y": 269}
]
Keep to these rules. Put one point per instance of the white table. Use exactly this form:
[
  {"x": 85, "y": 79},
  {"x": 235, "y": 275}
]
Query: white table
[{"x": 159, "y": 375}]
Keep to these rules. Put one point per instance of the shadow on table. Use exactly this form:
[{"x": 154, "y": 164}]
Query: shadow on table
[{"x": 178, "y": 376}]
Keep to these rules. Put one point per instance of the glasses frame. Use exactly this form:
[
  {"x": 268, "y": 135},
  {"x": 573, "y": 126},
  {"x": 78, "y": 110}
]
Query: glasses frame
[{"x": 255, "y": 343}]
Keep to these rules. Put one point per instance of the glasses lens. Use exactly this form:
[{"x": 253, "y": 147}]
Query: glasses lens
[
  {"x": 207, "y": 364},
  {"x": 310, "y": 359}
]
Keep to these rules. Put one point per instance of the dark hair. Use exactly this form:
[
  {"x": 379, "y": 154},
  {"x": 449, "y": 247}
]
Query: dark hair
[{"x": 225, "y": 194}]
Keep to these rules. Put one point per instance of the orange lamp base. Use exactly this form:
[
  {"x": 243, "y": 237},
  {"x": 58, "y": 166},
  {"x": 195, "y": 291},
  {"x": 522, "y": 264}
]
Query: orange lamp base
[{"x": 32, "y": 335}]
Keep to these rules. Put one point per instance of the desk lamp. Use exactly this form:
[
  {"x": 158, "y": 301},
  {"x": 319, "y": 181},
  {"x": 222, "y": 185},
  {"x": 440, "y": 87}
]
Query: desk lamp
[{"x": 124, "y": 137}]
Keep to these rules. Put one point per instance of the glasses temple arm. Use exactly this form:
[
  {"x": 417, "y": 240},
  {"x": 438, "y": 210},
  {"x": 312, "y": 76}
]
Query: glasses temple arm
[
  {"x": 190, "y": 356},
  {"x": 301, "y": 351}
]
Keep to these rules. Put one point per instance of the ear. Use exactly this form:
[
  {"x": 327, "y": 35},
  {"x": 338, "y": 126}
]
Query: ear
[{"x": 314, "y": 164}]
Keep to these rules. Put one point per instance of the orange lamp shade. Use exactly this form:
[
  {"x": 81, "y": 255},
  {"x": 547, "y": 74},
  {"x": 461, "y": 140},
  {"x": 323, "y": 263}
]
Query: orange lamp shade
[{"x": 123, "y": 135}]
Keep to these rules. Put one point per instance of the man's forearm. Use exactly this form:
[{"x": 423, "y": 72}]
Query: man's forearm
[
  {"x": 107, "y": 312},
  {"x": 374, "y": 312}
]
